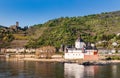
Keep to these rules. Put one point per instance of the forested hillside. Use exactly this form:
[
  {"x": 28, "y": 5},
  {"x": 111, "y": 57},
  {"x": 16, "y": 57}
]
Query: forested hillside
[{"x": 65, "y": 30}]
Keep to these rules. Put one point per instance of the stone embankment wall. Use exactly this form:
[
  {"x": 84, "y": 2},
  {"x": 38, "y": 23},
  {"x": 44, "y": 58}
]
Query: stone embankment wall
[{"x": 91, "y": 57}]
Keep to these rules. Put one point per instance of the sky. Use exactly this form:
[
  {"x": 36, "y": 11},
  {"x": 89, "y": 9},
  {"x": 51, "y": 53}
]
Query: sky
[{"x": 30, "y": 12}]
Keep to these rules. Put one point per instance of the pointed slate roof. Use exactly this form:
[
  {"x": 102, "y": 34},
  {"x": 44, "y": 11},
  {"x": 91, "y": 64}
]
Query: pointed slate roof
[{"x": 79, "y": 40}]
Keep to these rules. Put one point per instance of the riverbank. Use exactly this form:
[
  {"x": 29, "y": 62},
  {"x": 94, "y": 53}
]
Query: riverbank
[
  {"x": 81, "y": 62},
  {"x": 62, "y": 60},
  {"x": 43, "y": 60}
]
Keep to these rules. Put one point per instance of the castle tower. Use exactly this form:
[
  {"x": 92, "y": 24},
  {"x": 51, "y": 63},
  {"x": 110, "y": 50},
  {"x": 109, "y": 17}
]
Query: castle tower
[
  {"x": 17, "y": 24},
  {"x": 79, "y": 43}
]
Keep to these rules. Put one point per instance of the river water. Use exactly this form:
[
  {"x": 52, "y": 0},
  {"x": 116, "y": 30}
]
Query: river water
[{"x": 29, "y": 69}]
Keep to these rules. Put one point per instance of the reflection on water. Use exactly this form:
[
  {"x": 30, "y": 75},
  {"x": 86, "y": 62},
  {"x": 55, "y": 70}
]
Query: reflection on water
[
  {"x": 29, "y": 69},
  {"x": 73, "y": 70},
  {"x": 114, "y": 72},
  {"x": 79, "y": 71}
]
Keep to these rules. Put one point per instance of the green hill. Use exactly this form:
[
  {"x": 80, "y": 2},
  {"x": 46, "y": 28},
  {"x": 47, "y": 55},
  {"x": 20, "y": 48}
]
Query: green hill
[{"x": 65, "y": 30}]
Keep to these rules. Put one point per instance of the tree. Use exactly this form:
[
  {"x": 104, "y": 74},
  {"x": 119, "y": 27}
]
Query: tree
[{"x": 45, "y": 52}]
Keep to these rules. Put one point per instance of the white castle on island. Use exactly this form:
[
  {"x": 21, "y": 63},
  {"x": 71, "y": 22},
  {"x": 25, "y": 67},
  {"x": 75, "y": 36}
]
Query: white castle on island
[{"x": 82, "y": 51}]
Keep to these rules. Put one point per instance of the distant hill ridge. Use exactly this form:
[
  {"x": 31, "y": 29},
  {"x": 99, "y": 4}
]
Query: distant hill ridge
[{"x": 1, "y": 26}]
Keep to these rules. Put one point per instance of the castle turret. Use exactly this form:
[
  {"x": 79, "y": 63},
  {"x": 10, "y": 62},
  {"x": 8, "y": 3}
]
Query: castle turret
[
  {"x": 79, "y": 43},
  {"x": 17, "y": 24}
]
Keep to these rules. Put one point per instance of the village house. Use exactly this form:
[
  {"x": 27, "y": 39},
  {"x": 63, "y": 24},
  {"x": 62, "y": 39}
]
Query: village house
[{"x": 17, "y": 50}]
